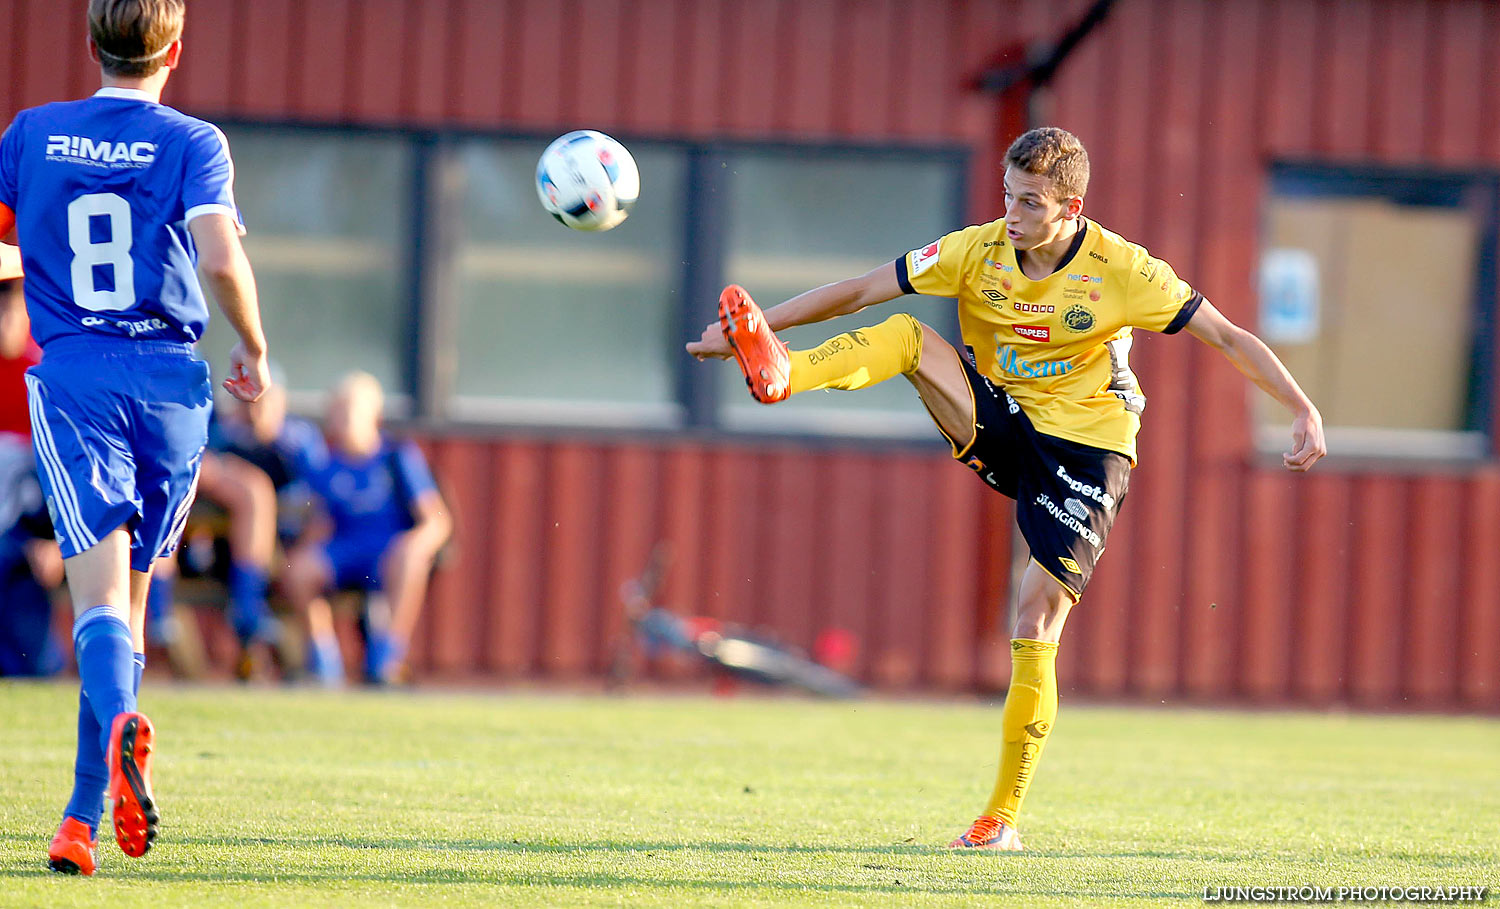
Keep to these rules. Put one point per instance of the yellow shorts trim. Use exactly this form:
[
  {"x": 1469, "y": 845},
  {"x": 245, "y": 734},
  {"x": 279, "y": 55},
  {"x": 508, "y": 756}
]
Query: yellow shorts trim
[{"x": 1064, "y": 584}]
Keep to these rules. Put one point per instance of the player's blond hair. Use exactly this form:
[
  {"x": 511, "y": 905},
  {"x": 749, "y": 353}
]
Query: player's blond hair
[
  {"x": 1054, "y": 153},
  {"x": 133, "y": 35}
]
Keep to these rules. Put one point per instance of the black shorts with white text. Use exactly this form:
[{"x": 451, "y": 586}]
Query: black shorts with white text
[{"x": 1067, "y": 494}]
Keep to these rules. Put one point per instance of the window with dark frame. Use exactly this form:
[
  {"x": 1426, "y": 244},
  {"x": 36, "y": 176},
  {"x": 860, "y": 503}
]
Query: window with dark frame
[
  {"x": 425, "y": 258},
  {"x": 1378, "y": 290}
]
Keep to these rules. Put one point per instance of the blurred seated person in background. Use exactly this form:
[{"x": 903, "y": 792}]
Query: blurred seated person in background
[
  {"x": 249, "y": 503},
  {"x": 250, "y": 472},
  {"x": 263, "y": 435},
  {"x": 378, "y": 524},
  {"x": 30, "y": 562},
  {"x": 31, "y": 566}
]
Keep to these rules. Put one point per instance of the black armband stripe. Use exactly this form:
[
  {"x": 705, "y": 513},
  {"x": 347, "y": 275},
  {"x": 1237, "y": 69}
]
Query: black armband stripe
[
  {"x": 901, "y": 277},
  {"x": 1184, "y": 315}
]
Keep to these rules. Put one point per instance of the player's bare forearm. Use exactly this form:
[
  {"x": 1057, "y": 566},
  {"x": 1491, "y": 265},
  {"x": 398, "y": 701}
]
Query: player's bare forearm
[
  {"x": 1259, "y": 363},
  {"x": 1251, "y": 356},
  {"x": 222, "y": 261},
  {"x": 10, "y": 262},
  {"x": 233, "y": 286},
  {"x": 820, "y": 304},
  {"x": 10, "y": 256},
  {"x": 433, "y": 524},
  {"x": 235, "y": 294}
]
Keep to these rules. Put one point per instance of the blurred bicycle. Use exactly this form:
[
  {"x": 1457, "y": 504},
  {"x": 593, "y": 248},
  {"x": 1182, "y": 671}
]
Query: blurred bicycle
[{"x": 733, "y": 652}]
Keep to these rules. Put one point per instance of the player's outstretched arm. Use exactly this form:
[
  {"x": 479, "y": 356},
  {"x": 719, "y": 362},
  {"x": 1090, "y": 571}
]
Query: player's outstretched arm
[
  {"x": 223, "y": 262},
  {"x": 1251, "y": 356},
  {"x": 817, "y": 305}
]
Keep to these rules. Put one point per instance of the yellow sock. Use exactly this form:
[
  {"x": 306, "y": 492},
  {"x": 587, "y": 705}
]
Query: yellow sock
[
  {"x": 1030, "y": 711},
  {"x": 860, "y": 358}
]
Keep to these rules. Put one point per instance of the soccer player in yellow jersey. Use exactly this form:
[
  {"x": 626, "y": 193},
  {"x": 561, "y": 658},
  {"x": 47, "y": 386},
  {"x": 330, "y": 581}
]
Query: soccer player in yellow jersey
[{"x": 1043, "y": 405}]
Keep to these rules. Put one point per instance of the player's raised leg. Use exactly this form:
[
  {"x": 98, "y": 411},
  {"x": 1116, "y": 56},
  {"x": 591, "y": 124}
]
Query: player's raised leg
[
  {"x": 1030, "y": 708},
  {"x": 856, "y": 359}
]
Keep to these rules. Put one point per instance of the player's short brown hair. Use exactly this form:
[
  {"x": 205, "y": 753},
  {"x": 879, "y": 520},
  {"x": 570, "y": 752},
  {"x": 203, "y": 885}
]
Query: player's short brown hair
[
  {"x": 1054, "y": 153},
  {"x": 133, "y": 35}
]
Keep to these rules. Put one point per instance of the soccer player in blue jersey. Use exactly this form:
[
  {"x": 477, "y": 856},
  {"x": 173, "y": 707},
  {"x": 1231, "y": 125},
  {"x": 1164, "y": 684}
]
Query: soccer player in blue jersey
[{"x": 116, "y": 201}]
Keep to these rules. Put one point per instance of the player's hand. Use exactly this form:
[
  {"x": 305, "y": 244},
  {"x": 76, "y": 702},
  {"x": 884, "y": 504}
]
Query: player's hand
[
  {"x": 1308, "y": 444},
  {"x": 711, "y": 345},
  {"x": 249, "y": 376}
]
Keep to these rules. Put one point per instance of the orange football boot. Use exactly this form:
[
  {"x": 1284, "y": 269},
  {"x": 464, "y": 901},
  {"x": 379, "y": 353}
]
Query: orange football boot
[
  {"x": 762, "y": 357},
  {"x": 72, "y": 849},
  {"x": 988, "y": 833},
  {"x": 136, "y": 817}
]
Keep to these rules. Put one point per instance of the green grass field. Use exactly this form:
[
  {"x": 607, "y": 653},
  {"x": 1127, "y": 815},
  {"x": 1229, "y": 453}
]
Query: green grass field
[{"x": 298, "y": 798}]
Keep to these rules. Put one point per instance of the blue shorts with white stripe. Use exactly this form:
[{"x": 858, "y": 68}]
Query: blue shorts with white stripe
[{"x": 119, "y": 429}]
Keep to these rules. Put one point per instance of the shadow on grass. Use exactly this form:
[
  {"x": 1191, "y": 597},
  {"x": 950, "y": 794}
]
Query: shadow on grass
[{"x": 898, "y": 879}]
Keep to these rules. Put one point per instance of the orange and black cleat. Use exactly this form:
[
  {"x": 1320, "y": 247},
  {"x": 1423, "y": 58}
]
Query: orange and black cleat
[
  {"x": 72, "y": 849},
  {"x": 130, "y": 743},
  {"x": 762, "y": 356},
  {"x": 989, "y": 833}
]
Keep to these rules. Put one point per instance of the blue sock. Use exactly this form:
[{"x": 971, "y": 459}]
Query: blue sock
[
  {"x": 382, "y": 654},
  {"x": 325, "y": 661},
  {"x": 106, "y": 666},
  {"x": 247, "y": 600},
  {"x": 90, "y": 774},
  {"x": 159, "y": 628},
  {"x": 140, "y": 670}
]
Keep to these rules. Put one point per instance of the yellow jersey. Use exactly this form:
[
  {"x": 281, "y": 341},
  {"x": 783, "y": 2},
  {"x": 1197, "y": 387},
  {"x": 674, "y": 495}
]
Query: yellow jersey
[{"x": 1059, "y": 345}]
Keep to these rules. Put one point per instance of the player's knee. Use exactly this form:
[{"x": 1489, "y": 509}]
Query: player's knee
[
  {"x": 259, "y": 489},
  {"x": 303, "y": 579},
  {"x": 1041, "y": 613}
]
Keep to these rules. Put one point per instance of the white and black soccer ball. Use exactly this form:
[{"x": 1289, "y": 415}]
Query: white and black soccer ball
[{"x": 587, "y": 180}]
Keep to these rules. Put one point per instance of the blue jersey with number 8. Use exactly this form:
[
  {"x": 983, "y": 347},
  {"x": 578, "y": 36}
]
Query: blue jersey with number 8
[{"x": 103, "y": 190}]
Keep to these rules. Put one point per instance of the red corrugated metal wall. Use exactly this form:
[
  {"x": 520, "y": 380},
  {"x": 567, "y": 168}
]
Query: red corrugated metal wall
[{"x": 1226, "y": 579}]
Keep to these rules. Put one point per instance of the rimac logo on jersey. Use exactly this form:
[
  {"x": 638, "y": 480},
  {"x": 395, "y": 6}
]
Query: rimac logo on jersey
[
  {"x": 100, "y": 152},
  {"x": 924, "y": 258}
]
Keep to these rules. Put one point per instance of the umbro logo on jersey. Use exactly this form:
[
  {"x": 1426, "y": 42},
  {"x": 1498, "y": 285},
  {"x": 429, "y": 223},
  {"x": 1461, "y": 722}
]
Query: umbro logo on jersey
[{"x": 99, "y": 151}]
